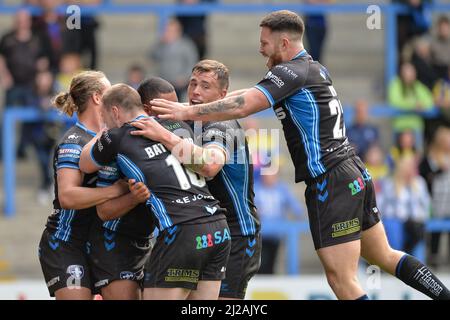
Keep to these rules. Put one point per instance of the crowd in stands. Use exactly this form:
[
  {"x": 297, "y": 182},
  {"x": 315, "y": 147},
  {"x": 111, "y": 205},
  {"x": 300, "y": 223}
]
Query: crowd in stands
[{"x": 412, "y": 176}]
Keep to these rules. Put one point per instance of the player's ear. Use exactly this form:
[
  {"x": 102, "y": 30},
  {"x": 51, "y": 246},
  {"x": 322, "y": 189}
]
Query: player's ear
[
  {"x": 285, "y": 42},
  {"x": 115, "y": 112},
  {"x": 147, "y": 108},
  {"x": 97, "y": 98},
  {"x": 223, "y": 93}
]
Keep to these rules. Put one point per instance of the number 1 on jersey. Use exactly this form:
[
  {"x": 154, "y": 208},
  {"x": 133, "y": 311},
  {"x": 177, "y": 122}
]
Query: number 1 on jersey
[{"x": 181, "y": 172}]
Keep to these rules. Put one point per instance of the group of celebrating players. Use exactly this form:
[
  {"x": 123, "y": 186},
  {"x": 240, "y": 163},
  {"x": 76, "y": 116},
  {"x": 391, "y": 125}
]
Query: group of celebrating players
[{"x": 155, "y": 167}]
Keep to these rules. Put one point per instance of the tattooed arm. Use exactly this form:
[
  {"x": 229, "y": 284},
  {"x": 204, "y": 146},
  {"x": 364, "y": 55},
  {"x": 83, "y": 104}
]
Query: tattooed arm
[{"x": 233, "y": 107}]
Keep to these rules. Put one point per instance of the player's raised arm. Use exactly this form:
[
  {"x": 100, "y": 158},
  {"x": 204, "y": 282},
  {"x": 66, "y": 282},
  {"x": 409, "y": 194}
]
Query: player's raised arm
[
  {"x": 233, "y": 107},
  {"x": 207, "y": 161}
]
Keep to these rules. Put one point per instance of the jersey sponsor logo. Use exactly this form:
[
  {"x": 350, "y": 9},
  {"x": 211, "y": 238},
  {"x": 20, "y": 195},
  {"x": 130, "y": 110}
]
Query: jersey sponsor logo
[
  {"x": 425, "y": 278},
  {"x": 172, "y": 126},
  {"x": 99, "y": 145},
  {"x": 107, "y": 137},
  {"x": 211, "y": 210},
  {"x": 280, "y": 113},
  {"x": 193, "y": 198},
  {"x": 289, "y": 72},
  {"x": 101, "y": 283},
  {"x": 109, "y": 173},
  {"x": 155, "y": 150},
  {"x": 366, "y": 175},
  {"x": 108, "y": 170},
  {"x": 274, "y": 79},
  {"x": 214, "y": 133},
  {"x": 52, "y": 282},
  {"x": 127, "y": 275},
  {"x": 357, "y": 186},
  {"x": 206, "y": 240},
  {"x": 344, "y": 228},
  {"x": 185, "y": 275},
  {"x": 76, "y": 271},
  {"x": 67, "y": 152},
  {"x": 73, "y": 137}
]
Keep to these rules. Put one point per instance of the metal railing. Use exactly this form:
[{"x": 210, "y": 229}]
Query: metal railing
[{"x": 165, "y": 11}]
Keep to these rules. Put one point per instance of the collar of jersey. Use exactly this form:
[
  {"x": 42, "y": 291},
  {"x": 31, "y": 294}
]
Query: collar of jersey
[
  {"x": 80, "y": 125},
  {"x": 300, "y": 54},
  {"x": 140, "y": 117}
]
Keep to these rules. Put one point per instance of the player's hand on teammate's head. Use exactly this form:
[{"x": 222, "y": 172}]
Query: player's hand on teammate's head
[
  {"x": 148, "y": 110},
  {"x": 139, "y": 191},
  {"x": 149, "y": 128},
  {"x": 169, "y": 110}
]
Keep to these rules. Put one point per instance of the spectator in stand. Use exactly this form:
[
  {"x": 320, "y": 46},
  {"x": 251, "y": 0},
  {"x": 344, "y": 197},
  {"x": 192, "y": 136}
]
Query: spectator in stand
[
  {"x": 175, "y": 56},
  {"x": 361, "y": 134},
  {"x": 21, "y": 56},
  {"x": 441, "y": 94},
  {"x": 406, "y": 93},
  {"x": 282, "y": 202},
  {"x": 135, "y": 75},
  {"x": 435, "y": 168},
  {"x": 44, "y": 134},
  {"x": 405, "y": 203},
  {"x": 413, "y": 23},
  {"x": 52, "y": 30},
  {"x": 377, "y": 165},
  {"x": 405, "y": 145},
  {"x": 84, "y": 40},
  {"x": 194, "y": 27},
  {"x": 440, "y": 47},
  {"x": 69, "y": 66},
  {"x": 316, "y": 30},
  {"x": 423, "y": 62}
]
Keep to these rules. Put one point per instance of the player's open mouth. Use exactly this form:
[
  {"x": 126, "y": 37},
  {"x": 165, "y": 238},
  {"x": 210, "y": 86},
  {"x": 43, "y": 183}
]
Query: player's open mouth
[{"x": 196, "y": 102}]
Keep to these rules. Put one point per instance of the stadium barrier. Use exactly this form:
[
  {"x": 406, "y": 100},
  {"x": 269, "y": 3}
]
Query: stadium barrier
[
  {"x": 261, "y": 287},
  {"x": 165, "y": 11}
]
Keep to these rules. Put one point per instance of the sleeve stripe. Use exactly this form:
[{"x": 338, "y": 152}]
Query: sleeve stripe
[
  {"x": 92, "y": 157},
  {"x": 70, "y": 146},
  {"x": 67, "y": 165},
  {"x": 267, "y": 94},
  {"x": 69, "y": 159}
]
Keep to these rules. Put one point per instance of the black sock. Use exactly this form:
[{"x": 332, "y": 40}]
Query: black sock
[{"x": 415, "y": 274}]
